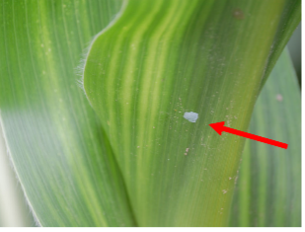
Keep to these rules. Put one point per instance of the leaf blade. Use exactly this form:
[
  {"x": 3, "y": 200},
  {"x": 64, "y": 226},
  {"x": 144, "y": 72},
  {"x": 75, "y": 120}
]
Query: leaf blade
[
  {"x": 143, "y": 73},
  {"x": 58, "y": 148},
  {"x": 270, "y": 178}
]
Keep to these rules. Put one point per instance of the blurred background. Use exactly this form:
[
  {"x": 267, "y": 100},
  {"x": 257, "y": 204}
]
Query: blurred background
[
  {"x": 294, "y": 47},
  {"x": 14, "y": 210}
]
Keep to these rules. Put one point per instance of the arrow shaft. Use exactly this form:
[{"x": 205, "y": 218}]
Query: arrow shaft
[{"x": 255, "y": 137}]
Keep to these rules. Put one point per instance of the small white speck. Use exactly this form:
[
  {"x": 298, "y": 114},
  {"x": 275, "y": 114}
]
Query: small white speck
[
  {"x": 191, "y": 116},
  {"x": 230, "y": 178},
  {"x": 279, "y": 97},
  {"x": 224, "y": 191}
]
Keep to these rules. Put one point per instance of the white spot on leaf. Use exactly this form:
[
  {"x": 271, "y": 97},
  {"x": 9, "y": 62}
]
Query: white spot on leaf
[{"x": 191, "y": 116}]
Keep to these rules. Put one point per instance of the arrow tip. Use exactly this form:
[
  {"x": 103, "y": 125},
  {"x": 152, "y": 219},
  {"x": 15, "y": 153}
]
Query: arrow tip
[{"x": 218, "y": 126}]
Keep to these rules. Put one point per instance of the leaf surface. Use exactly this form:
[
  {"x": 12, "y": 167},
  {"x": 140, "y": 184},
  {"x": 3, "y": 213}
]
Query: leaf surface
[
  {"x": 57, "y": 145},
  {"x": 159, "y": 62},
  {"x": 268, "y": 191}
]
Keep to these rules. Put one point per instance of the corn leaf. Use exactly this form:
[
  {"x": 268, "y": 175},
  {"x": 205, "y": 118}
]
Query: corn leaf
[
  {"x": 139, "y": 162},
  {"x": 57, "y": 146},
  {"x": 268, "y": 191},
  {"x": 161, "y": 65}
]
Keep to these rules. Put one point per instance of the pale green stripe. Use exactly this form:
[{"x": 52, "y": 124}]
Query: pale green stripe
[{"x": 164, "y": 57}]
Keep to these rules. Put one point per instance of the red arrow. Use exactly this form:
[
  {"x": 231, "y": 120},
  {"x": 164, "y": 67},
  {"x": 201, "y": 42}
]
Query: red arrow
[{"x": 219, "y": 127}]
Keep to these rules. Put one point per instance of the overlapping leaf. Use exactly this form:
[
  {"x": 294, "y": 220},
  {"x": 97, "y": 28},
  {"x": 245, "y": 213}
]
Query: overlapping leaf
[
  {"x": 161, "y": 59},
  {"x": 157, "y": 61},
  {"x": 268, "y": 191},
  {"x": 62, "y": 158}
]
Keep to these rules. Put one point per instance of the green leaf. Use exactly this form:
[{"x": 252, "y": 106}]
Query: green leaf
[
  {"x": 162, "y": 59},
  {"x": 58, "y": 148},
  {"x": 268, "y": 191},
  {"x": 184, "y": 56}
]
